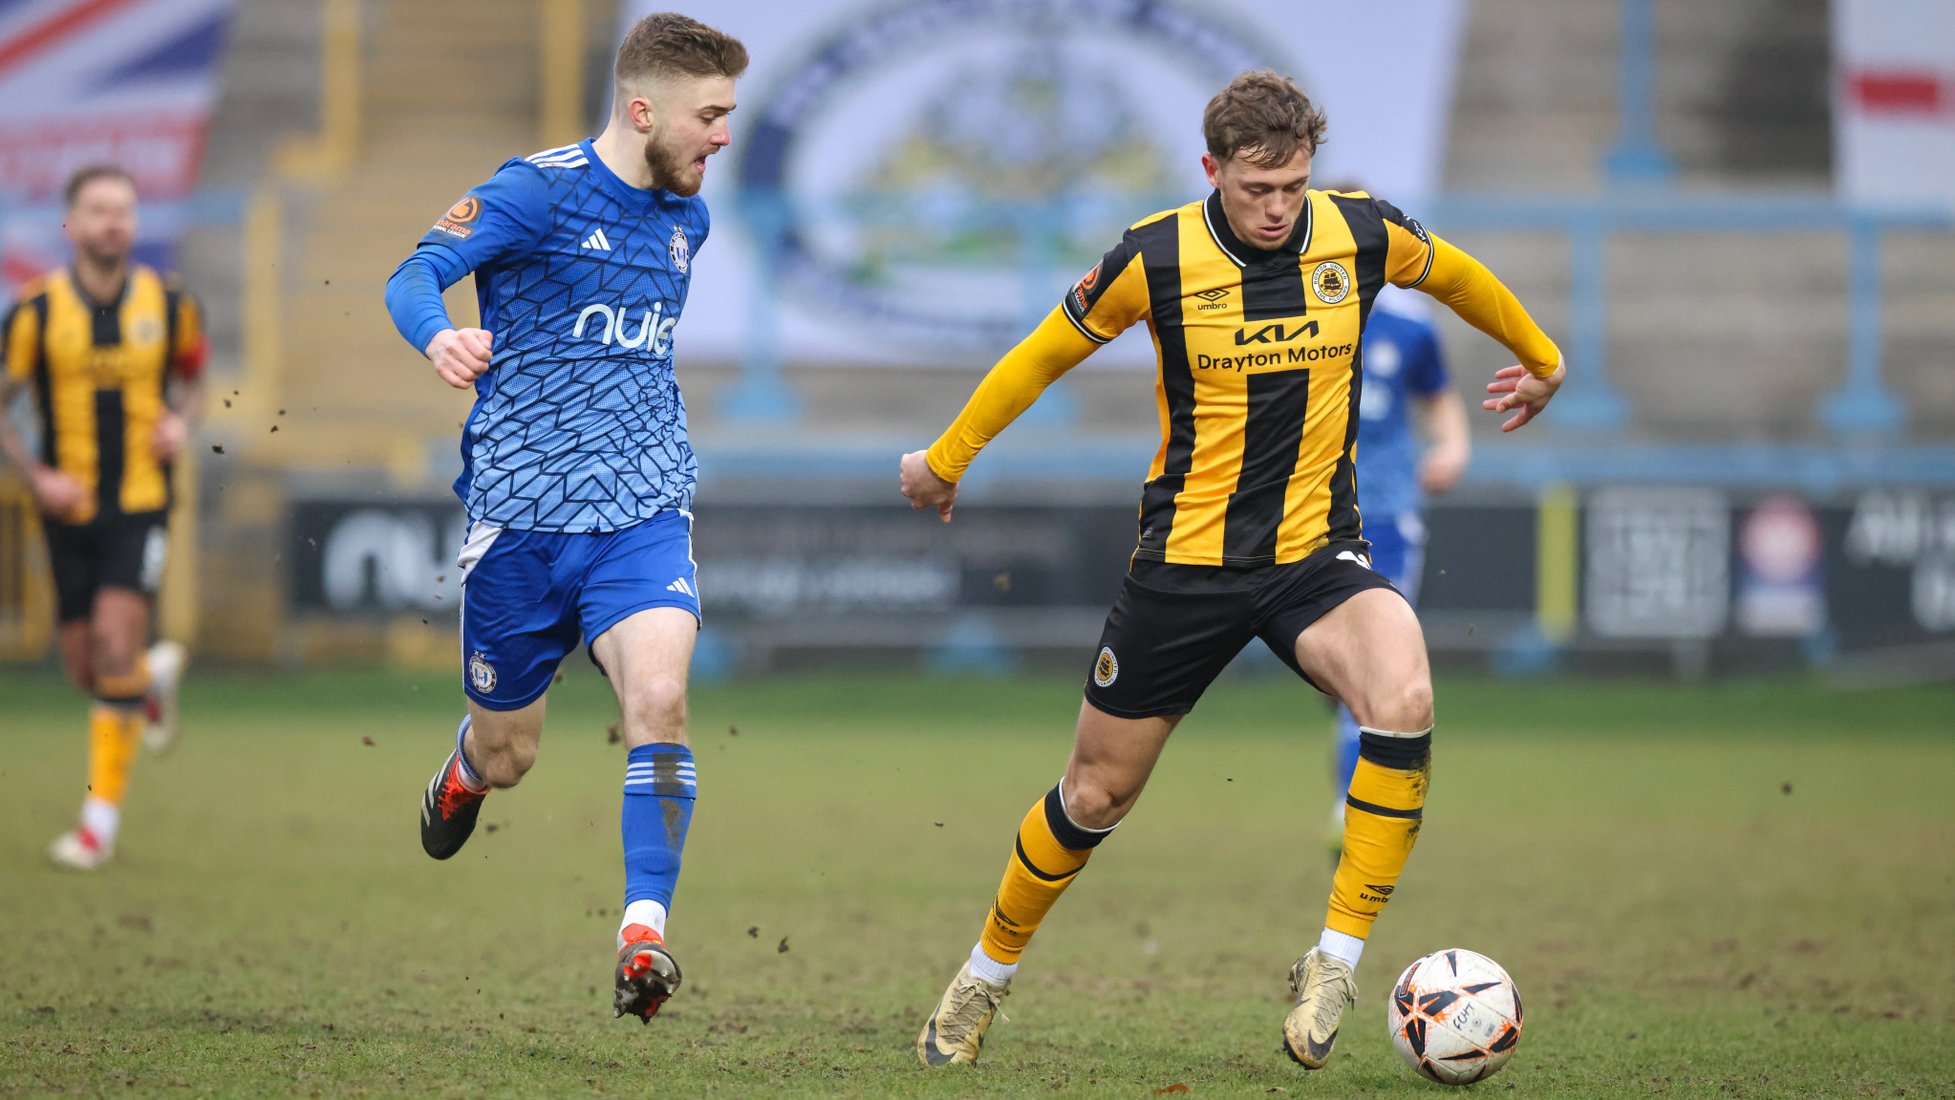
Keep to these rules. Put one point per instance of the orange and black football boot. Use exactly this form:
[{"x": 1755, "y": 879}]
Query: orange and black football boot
[
  {"x": 647, "y": 973},
  {"x": 448, "y": 810}
]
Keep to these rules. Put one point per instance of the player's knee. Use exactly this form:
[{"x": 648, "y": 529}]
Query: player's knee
[
  {"x": 655, "y": 710},
  {"x": 1407, "y": 708},
  {"x": 503, "y": 765},
  {"x": 1093, "y": 803},
  {"x": 111, "y": 658}
]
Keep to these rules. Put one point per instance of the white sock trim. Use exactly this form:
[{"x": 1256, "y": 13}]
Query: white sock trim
[
  {"x": 989, "y": 969},
  {"x": 470, "y": 777},
  {"x": 1362, "y": 730},
  {"x": 645, "y": 911},
  {"x": 1340, "y": 946}
]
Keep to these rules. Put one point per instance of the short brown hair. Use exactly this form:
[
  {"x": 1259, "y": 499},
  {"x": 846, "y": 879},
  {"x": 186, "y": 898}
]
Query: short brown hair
[
  {"x": 88, "y": 174},
  {"x": 667, "y": 44},
  {"x": 1264, "y": 114}
]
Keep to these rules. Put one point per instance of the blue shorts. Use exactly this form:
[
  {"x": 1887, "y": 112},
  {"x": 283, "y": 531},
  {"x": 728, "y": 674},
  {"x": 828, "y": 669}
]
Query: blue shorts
[
  {"x": 527, "y": 595},
  {"x": 1398, "y": 550}
]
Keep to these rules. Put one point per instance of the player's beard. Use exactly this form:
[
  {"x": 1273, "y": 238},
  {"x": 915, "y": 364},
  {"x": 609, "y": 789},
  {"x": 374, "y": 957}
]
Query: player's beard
[
  {"x": 104, "y": 255},
  {"x": 671, "y": 168}
]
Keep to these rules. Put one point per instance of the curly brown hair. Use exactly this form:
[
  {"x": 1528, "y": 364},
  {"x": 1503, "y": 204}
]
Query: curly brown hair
[
  {"x": 1263, "y": 115},
  {"x": 666, "y": 44}
]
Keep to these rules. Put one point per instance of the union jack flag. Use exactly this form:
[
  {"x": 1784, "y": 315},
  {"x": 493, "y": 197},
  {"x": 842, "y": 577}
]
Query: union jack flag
[{"x": 124, "y": 82}]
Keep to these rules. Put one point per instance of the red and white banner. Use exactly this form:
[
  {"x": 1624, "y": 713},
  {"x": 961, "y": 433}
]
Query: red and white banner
[
  {"x": 123, "y": 82},
  {"x": 1894, "y": 101}
]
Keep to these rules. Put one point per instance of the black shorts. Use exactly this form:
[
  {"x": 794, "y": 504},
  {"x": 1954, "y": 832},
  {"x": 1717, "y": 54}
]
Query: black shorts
[
  {"x": 117, "y": 550},
  {"x": 1174, "y": 628}
]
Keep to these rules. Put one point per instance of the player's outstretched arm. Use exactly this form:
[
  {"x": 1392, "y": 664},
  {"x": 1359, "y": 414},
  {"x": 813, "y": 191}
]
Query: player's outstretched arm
[
  {"x": 1467, "y": 288},
  {"x": 929, "y": 478}
]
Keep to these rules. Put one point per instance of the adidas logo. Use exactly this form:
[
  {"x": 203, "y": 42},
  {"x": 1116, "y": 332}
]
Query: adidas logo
[
  {"x": 680, "y": 586},
  {"x": 598, "y": 241}
]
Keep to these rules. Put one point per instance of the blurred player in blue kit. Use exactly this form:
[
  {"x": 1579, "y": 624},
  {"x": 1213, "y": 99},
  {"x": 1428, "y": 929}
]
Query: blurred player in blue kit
[
  {"x": 1406, "y": 388},
  {"x": 576, "y": 469}
]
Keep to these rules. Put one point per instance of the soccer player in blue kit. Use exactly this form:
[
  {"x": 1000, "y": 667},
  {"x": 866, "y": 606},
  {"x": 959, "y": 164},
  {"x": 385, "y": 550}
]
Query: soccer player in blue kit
[
  {"x": 576, "y": 471},
  {"x": 1405, "y": 388}
]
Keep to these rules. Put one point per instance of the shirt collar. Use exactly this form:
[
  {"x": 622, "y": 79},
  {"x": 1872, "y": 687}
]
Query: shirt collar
[
  {"x": 1245, "y": 254},
  {"x": 641, "y": 199}
]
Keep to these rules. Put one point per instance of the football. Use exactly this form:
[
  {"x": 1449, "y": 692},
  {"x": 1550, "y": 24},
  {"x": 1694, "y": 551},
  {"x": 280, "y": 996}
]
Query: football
[{"x": 1455, "y": 1016}]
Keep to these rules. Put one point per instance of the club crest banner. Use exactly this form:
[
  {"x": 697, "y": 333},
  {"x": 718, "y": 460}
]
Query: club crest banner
[{"x": 918, "y": 182}]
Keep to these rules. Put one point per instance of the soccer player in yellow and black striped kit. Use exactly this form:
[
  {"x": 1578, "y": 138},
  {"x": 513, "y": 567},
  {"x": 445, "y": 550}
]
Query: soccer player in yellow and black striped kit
[
  {"x": 112, "y": 353},
  {"x": 1255, "y": 298}
]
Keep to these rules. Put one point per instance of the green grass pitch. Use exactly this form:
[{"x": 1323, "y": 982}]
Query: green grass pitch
[{"x": 1701, "y": 891}]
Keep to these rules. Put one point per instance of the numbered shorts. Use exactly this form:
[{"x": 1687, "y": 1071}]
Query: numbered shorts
[
  {"x": 528, "y": 595},
  {"x": 117, "y": 550},
  {"x": 1174, "y": 628}
]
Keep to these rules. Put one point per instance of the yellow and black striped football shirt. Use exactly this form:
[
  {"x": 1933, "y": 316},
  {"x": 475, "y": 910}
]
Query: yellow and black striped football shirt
[
  {"x": 98, "y": 371},
  {"x": 1259, "y": 367}
]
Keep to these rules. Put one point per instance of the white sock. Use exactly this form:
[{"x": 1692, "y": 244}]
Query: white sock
[
  {"x": 470, "y": 778},
  {"x": 991, "y": 970},
  {"x": 646, "y": 912},
  {"x": 101, "y": 818},
  {"x": 1340, "y": 946}
]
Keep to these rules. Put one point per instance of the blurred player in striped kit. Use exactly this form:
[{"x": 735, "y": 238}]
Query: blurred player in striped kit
[{"x": 113, "y": 353}]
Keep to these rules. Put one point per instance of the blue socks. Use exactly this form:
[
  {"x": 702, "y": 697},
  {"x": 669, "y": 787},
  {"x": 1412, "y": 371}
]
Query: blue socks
[
  {"x": 1347, "y": 753},
  {"x": 659, "y": 792}
]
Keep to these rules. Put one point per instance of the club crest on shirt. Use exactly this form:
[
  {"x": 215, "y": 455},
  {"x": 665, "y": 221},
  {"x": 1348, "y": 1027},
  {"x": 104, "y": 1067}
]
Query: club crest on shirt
[
  {"x": 481, "y": 674},
  {"x": 1331, "y": 282},
  {"x": 1107, "y": 669},
  {"x": 681, "y": 249}
]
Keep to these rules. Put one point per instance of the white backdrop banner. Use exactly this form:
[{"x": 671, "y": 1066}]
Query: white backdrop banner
[
  {"x": 1894, "y": 101},
  {"x": 916, "y": 182}
]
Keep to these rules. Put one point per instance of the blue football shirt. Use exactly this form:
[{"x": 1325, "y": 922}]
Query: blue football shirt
[
  {"x": 578, "y": 424},
  {"x": 1402, "y": 361}
]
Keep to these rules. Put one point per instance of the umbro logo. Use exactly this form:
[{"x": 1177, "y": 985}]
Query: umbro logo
[
  {"x": 682, "y": 588},
  {"x": 1212, "y": 299},
  {"x": 598, "y": 241}
]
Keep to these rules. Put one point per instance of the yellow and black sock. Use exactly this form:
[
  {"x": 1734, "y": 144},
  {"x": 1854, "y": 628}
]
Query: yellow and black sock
[
  {"x": 1048, "y": 855},
  {"x": 1382, "y": 814},
  {"x": 115, "y": 729},
  {"x": 112, "y": 739}
]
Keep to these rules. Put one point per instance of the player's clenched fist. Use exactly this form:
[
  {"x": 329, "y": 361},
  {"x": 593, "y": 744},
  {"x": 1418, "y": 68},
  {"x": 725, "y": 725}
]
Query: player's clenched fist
[
  {"x": 924, "y": 488},
  {"x": 460, "y": 355}
]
